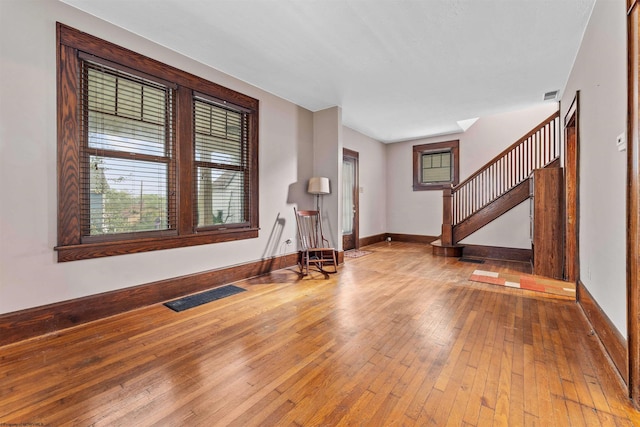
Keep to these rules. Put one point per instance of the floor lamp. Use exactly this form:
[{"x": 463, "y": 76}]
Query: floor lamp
[{"x": 318, "y": 185}]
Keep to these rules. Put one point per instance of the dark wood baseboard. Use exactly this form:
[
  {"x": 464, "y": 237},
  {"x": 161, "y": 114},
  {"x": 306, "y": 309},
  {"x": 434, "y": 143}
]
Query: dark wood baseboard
[
  {"x": 496, "y": 252},
  {"x": 613, "y": 342},
  {"x": 411, "y": 238},
  {"x": 32, "y": 322},
  {"x": 447, "y": 251},
  {"x": 370, "y": 240},
  {"x": 478, "y": 251}
]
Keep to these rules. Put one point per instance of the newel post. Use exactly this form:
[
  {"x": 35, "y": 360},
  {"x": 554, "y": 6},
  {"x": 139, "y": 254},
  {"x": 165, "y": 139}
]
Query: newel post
[{"x": 447, "y": 217}]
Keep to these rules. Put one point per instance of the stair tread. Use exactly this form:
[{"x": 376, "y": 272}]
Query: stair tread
[{"x": 439, "y": 244}]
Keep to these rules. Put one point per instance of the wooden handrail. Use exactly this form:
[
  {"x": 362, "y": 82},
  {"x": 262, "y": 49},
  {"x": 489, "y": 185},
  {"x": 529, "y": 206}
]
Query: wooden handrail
[
  {"x": 509, "y": 148},
  {"x": 508, "y": 169}
]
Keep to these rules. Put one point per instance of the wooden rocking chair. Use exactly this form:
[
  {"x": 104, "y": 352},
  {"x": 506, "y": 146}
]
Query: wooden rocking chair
[{"x": 314, "y": 247}]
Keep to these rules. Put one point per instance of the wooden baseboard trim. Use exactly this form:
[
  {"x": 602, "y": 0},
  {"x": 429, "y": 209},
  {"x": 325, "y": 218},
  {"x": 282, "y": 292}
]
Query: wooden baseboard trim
[
  {"x": 613, "y": 342},
  {"x": 496, "y": 252},
  {"x": 370, "y": 240},
  {"x": 447, "y": 251},
  {"x": 33, "y": 322},
  {"x": 411, "y": 238},
  {"x": 479, "y": 251}
]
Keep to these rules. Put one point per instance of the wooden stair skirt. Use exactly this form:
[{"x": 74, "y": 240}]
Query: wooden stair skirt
[
  {"x": 439, "y": 249},
  {"x": 482, "y": 217}
]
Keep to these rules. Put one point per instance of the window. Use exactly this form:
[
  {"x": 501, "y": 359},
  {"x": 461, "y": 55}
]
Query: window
[
  {"x": 149, "y": 157},
  {"x": 127, "y": 172},
  {"x": 221, "y": 165},
  {"x": 435, "y": 166}
]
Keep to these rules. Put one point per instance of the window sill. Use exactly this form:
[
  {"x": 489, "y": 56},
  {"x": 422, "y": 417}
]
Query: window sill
[
  {"x": 425, "y": 187},
  {"x": 122, "y": 247}
]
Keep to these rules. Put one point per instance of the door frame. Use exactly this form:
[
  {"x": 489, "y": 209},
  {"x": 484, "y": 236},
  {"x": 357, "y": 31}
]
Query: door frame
[
  {"x": 633, "y": 202},
  {"x": 351, "y": 154},
  {"x": 572, "y": 192}
]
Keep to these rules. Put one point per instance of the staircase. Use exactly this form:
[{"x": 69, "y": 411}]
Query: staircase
[{"x": 497, "y": 187}]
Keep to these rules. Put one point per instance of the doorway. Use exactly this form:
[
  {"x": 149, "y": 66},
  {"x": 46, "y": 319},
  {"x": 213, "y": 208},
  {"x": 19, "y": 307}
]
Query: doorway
[{"x": 350, "y": 202}]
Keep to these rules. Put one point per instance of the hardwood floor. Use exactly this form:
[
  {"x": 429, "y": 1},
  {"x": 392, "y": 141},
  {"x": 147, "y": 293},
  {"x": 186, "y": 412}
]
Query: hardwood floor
[{"x": 397, "y": 337}]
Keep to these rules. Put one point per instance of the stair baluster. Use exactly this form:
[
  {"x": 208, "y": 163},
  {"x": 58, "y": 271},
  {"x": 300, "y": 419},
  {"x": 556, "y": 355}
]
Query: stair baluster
[{"x": 501, "y": 179}]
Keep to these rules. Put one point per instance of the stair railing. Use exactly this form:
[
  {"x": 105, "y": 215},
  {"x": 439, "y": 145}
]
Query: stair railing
[{"x": 504, "y": 172}]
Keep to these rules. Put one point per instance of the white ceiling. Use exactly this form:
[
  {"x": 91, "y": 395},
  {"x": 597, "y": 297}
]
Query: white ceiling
[{"x": 400, "y": 69}]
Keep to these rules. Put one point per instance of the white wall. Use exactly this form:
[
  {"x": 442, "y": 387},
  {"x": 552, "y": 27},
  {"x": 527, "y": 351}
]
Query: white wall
[
  {"x": 372, "y": 163},
  {"x": 599, "y": 73},
  {"x": 327, "y": 162},
  {"x": 420, "y": 212},
  {"x": 29, "y": 273}
]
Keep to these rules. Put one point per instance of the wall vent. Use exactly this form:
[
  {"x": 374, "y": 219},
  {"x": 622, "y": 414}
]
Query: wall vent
[{"x": 550, "y": 95}]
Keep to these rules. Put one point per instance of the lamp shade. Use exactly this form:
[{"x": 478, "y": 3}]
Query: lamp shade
[{"x": 318, "y": 185}]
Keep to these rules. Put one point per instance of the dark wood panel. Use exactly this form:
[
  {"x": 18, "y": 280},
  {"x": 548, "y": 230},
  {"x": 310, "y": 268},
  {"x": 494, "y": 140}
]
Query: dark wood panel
[
  {"x": 612, "y": 340},
  {"x": 446, "y": 232},
  {"x": 37, "y": 321},
  {"x": 184, "y": 152},
  {"x": 67, "y": 158},
  {"x": 548, "y": 238},
  {"x": 496, "y": 252}
]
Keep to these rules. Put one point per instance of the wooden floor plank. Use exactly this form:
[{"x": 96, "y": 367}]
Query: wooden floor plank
[
  {"x": 545, "y": 409},
  {"x": 516, "y": 400},
  {"x": 396, "y": 338},
  {"x": 463, "y": 396},
  {"x": 503, "y": 401},
  {"x": 531, "y": 406},
  {"x": 481, "y": 361}
]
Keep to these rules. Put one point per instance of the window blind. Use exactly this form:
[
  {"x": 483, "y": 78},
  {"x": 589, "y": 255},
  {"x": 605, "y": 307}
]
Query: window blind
[
  {"x": 221, "y": 164},
  {"x": 127, "y": 154},
  {"x": 436, "y": 167}
]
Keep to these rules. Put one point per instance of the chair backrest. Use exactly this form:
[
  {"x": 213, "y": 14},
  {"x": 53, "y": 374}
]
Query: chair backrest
[{"x": 310, "y": 229}]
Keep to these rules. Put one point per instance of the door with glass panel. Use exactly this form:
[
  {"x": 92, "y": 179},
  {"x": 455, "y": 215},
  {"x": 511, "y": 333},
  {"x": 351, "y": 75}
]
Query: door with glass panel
[{"x": 349, "y": 199}]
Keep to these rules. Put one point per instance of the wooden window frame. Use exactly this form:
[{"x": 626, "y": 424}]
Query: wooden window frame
[
  {"x": 242, "y": 167},
  {"x": 86, "y": 150},
  {"x": 437, "y": 147},
  {"x": 71, "y": 246}
]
